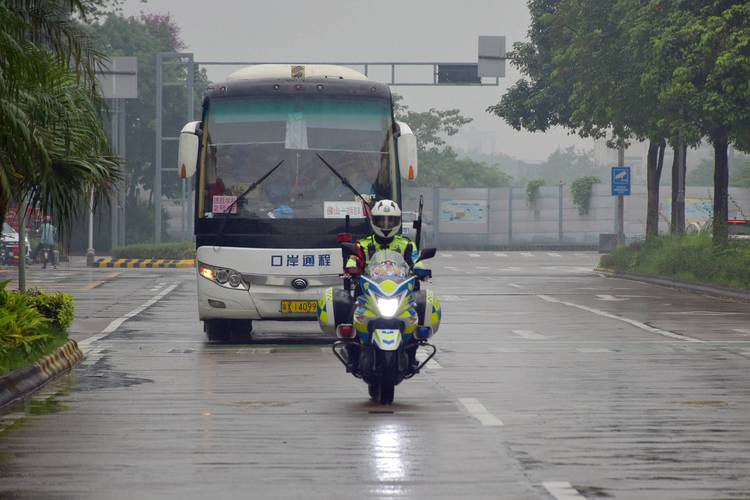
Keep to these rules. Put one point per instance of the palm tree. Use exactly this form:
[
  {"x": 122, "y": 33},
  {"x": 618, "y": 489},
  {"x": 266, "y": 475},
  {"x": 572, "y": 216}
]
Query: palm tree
[{"x": 53, "y": 148}]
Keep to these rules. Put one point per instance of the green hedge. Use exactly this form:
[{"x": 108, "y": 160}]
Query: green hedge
[
  {"x": 691, "y": 258},
  {"x": 175, "y": 250},
  {"x": 32, "y": 325}
]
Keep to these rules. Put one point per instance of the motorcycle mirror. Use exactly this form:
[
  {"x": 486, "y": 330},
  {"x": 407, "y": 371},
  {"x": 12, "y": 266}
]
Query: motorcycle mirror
[
  {"x": 427, "y": 253},
  {"x": 351, "y": 247}
]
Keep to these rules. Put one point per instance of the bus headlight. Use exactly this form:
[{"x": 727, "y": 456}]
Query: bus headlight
[{"x": 224, "y": 277}]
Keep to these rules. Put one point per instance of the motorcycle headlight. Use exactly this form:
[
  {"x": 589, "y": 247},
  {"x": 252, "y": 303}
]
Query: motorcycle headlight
[{"x": 388, "y": 307}]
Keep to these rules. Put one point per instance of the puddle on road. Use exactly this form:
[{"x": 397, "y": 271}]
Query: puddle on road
[{"x": 100, "y": 375}]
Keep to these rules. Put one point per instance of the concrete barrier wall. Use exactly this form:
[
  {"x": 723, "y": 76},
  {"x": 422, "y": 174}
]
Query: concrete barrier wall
[{"x": 479, "y": 217}]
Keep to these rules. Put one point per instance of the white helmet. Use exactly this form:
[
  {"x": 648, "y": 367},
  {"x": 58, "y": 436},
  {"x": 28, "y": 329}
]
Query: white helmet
[{"x": 385, "y": 219}]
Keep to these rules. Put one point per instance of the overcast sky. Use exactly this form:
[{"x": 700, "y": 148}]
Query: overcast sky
[{"x": 365, "y": 30}]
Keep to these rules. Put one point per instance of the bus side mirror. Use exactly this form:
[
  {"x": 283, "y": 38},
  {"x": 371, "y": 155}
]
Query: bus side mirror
[
  {"x": 406, "y": 147},
  {"x": 187, "y": 158}
]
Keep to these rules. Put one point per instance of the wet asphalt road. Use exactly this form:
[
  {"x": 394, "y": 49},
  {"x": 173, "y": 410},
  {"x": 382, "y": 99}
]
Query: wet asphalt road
[{"x": 550, "y": 382}]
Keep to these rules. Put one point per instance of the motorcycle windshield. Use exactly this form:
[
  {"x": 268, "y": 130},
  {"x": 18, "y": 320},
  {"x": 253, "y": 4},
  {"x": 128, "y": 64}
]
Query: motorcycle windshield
[{"x": 387, "y": 265}]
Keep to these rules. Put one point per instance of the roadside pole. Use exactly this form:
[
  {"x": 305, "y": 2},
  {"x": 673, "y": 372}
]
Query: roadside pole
[
  {"x": 90, "y": 253},
  {"x": 22, "y": 246},
  {"x": 560, "y": 213},
  {"x": 620, "y": 216}
]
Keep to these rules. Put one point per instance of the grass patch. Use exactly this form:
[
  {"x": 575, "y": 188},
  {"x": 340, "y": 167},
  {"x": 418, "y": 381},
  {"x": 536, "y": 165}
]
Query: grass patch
[
  {"x": 174, "y": 250},
  {"x": 19, "y": 357},
  {"x": 691, "y": 258}
]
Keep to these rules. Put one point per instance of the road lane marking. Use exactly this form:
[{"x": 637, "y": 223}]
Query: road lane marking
[
  {"x": 592, "y": 350},
  {"x": 474, "y": 255},
  {"x": 451, "y": 268},
  {"x": 527, "y": 254},
  {"x": 432, "y": 365},
  {"x": 515, "y": 285},
  {"x": 742, "y": 330},
  {"x": 504, "y": 350},
  {"x": 478, "y": 411},
  {"x": 482, "y": 268},
  {"x": 610, "y": 298},
  {"x": 449, "y": 255},
  {"x": 500, "y": 254},
  {"x": 629, "y": 321},
  {"x": 85, "y": 345},
  {"x": 553, "y": 254},
  {"x": 450, "y": 298},
  {"x": 562, "y": 490},
  {"x": 529, "y": 335}
]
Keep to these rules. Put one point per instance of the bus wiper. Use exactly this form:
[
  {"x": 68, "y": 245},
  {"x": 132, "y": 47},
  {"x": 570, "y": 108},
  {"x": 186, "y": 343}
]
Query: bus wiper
[
  {"x": 242, "y": 196},
  {"x": 345, "y": 181}
]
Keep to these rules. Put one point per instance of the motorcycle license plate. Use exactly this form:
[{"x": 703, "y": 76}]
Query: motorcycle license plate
[{"x": 299, "y": 306}]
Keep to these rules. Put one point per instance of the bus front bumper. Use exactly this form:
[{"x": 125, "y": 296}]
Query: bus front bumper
[{"x": 262, "y": 301}]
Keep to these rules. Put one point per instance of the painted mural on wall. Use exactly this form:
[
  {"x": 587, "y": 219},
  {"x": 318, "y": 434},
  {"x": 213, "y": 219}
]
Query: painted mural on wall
[{"x": 463, "y": 211}]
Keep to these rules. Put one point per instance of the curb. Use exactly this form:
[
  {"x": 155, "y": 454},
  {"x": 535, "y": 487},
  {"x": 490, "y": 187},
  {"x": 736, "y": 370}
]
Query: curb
[
  {"x": 145, "y": 263},
  {"x": 20, "y": 383},
  {"x": 717, "y": 291}
]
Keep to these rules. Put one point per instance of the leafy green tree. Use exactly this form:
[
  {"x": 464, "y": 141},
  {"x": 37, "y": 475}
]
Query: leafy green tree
[
  {"x": 711, "y": 80},
  {"x": 144, "y": 37},
  {"x": 439, "y": 164},
  {"x": 53, "y": 149}
]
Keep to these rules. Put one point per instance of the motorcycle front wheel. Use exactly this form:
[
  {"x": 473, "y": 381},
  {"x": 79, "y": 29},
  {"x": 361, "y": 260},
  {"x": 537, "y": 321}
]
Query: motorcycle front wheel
[{"x": 387, "y": 390}]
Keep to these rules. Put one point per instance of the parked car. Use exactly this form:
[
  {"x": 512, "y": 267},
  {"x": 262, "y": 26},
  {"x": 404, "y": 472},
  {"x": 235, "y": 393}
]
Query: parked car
[
  {"x": 408, "y": 230},
  {"x": 739, "y": 229},
  {"x": 9, "y": 241}
]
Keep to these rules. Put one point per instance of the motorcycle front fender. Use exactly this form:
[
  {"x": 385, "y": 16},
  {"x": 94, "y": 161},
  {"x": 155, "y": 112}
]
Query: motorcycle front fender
[{"x": 387, "y": 339}]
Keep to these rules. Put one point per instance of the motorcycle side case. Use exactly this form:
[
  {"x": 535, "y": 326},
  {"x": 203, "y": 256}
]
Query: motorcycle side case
[
  {"x": 334, "y": 308},
  {"x": 428, "y": 309}
]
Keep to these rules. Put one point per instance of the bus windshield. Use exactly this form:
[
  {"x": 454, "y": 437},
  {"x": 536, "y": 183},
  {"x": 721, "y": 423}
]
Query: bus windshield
[{"x": 247, "y": 136}]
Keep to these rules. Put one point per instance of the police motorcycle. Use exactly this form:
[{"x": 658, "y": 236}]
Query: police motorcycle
[{"x": 384, "y": 323}]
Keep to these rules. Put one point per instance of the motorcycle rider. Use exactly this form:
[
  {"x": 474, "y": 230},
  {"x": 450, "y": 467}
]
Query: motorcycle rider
[{"x": 385, "y": 222}]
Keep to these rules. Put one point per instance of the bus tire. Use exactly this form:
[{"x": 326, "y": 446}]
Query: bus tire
[
  {"x": 241, "y": 330},
  {"x": 217, "y": 330}
]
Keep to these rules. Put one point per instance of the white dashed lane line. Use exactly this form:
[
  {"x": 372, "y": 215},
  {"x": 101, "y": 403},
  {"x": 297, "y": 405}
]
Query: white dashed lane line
[
  {"x": 609, "y": 298},
  {"x": 629, "y": 321},
  {"x": 553, "y": 254},
  {"x": 742, "y": 330},
  {"x": 562, "y": 490},
  {"x": 500, "y": 254},
  {"x": 527, "y": 254},
  {"x": 529, "y": 335},
  {"x": 474, "y": 255},
  {"x": 86, "y": 344},
  {"x": 592, "y": 350},
  {"x": 478, "y": 411},
  {"x": 432, "y": 365}
]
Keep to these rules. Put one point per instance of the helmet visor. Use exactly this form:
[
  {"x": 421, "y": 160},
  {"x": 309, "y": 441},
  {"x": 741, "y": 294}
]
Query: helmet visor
[{"x": 386, "y": 222}]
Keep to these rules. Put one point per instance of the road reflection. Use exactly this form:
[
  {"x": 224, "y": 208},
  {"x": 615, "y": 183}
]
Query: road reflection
[{"x": 387, "y": 452}]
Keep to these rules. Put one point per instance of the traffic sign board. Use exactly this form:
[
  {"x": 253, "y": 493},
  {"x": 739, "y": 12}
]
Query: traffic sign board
[{"x": 620, "y": 181}]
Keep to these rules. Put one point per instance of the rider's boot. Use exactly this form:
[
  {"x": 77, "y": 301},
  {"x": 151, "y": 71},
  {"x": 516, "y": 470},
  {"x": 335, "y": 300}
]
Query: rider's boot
[{"x": 352, "y": 355}]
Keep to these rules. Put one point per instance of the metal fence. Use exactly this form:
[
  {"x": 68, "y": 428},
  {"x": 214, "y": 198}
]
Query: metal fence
[{"x": 504, "y": 217}]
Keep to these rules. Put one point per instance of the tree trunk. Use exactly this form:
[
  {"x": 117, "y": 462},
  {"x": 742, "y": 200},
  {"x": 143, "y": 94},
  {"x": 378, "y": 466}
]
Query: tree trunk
[
  {"x": 654, "y": 164},
  {"x": 721, "y": 187},
  {"x": 679, "y": 171}
]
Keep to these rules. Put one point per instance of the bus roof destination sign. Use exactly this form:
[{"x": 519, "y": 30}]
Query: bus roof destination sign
[{"x": 620, "y": 181}]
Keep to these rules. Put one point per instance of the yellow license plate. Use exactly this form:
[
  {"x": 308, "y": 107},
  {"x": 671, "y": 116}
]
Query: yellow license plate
[{"x": 299, "y": 306}]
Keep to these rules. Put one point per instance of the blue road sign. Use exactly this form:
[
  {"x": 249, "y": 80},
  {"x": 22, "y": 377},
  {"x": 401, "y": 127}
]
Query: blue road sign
[{"x": 620, "y": 181}]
